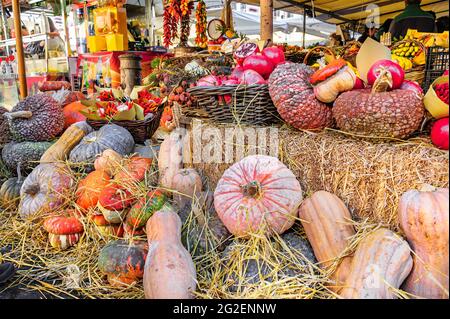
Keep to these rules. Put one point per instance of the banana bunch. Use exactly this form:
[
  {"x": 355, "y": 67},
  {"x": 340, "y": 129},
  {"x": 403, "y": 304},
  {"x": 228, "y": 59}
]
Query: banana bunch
[
  {"x": 405, "y": 63},
  {"x": 408, "y": 50}
]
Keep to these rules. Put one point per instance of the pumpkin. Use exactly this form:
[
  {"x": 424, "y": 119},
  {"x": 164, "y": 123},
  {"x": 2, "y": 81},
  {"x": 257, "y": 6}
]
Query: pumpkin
[
  {"x": 187, "y": 182},
  {"x": 105, "y": 228},
  {"x": 123, "y": 262},
  {"x": 133, "y": 171},
  {"x": 256, "y": 192},
  {"x": 169, "y": 270},
  {"x": 48, "y": 187},
  {"x": 141, "y": 211},
  {"x": 110, "y": 136},
  {"x": 424, "y": 218},
  {"x": 380, "y": 264},
  {"x": 90, "y": 188},
  {"x": 170, "y": 158},
  {"x": 113, "y": 202},
  {"x": 10, "y": 191},
  {"x": 333, "y": 79},
  {"x": 108, "y": 161},
  {"x": 68, "y": 140},
  {"x": 327, "y": 224},
  {"x": 63, "y": 231},
  {"x": 72, "y": 113}
]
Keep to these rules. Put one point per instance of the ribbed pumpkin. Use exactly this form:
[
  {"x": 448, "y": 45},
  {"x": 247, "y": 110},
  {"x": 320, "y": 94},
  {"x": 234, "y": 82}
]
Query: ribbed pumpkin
[
  {"x": 10, "y": 191},
  {"x": 424, "y": 218},
  {"x": 90, "y": 187},
  {"x": 256, "y": 192},
  {"x": 187, "y": 183}
]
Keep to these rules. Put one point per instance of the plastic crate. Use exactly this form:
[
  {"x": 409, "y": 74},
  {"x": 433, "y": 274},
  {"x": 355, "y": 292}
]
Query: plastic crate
[{"x": 437, "y": 63}]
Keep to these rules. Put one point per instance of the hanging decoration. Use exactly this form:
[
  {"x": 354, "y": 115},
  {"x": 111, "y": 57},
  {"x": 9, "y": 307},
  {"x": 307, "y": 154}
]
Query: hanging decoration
[
  {"x": 177, "y": 12},
  {"x": 200, "y": 27}
]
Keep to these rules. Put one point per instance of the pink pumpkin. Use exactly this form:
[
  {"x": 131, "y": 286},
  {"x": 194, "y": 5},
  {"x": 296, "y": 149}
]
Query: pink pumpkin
[{"x": 258, "y": 192}]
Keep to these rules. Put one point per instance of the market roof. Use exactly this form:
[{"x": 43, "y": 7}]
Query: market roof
[{"x": 352, "y": 11}]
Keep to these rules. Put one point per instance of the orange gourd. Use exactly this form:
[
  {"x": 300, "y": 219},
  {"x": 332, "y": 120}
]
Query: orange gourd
[
  {"x": 109, "y": 161},
  {"x": 90, "y": 187},
  {"x": 72, "y": 113}
]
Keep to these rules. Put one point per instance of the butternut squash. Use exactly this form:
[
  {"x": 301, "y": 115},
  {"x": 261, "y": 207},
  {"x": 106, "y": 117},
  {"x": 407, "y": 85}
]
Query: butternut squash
[
  {"x": 170, "y": 158},
  {"x": 381, "y": 262},
  {"x": 327, "y": 224},
  {"x": 424, "y": 218},
  {"x": 169, "y": 270}
]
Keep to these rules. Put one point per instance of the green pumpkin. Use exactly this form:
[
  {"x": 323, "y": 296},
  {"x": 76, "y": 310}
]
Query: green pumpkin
[
  {"x": 10, "y": 191},
  {"x": 144, "y": 208}
]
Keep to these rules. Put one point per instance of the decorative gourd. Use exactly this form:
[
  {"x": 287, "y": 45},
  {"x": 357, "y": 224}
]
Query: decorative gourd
[
  {"x": 380, "y": 264},
  {"x": 113, "y": 202},
  {"x": 110, "y": 136},
  {"x": 105, "y": 228},
  {"x": 72, "y": 113},
  {"x": 424, "y": 218},
  {"x": 68, "y": 140},
  {"x": 327, "y": 224},
  {"x": 130, "y": 231},
  {"x": 133, "y": 171},
  {"x": 5, "y": 134},
  {"x": 257, "y": 192},
  {"x": 169, "y": 270},
  {"x": 10, "y": 191},
  {"x": 123, "y": 262},
  {"x": 63, "y": 231},
  {"x": 108, "y": 161},
  {"x": 90, "y": 187},
  {"x": 48, "y": 187},
  {"x": 333, "y": 79},
  {"x": 187, "y": 182},
  {"x": 141, "y": 211},
  {"x": 170, "y": 158},
  {"x": 25, "y": 154}
]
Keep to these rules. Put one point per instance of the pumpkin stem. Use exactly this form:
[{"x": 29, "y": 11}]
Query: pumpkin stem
[
  {"x": 383, "y": 81},
  {"x": 252, "y": 189},
  {"x": 32, "y": 190},
  {"x": 18, "y": 114},
  {"x": 19, "y": 173}
]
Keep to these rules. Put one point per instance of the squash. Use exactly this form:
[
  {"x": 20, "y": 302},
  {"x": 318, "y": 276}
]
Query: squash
[
  {"x": 424, "y": 218},
  {"x": 327, "y": 224},
  {"x": 105, "y": 228},
  {"x": 114, "y": 201},
  {"x": 63, "y": 231},
  {"x": 141, "y": 211},
  {"x": 68, "y": 140},
  {"x": 133, "y": 171},
  {"x": 123, "y": 262},
  {"x": 90, "y": 187},
  {"x": 381, "y": 263},
  {"x": 188, "y": 183},
  {"x": 47, "y": 188},
  {"x": 169, "y": 270},
  {"x": 257, "y": 193},
  {"x": 170, "y": 158},
  {"x": 72, "y": 113},
  {"x": 108, "y": 161},
  {"x": 10, "y": 191}
]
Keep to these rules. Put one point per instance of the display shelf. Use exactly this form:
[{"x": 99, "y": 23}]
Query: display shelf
[{"x": 27, "y": 39}]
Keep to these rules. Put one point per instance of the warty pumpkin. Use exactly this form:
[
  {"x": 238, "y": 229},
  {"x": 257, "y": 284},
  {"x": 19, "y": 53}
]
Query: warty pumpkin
[
  {"x": 48, "y": 187},
  {"x": 424, "y": 218},
  {"x": 327, "y": 224},
  {"x": 10, "y": 191},
  {"x": 24, "y": 154},
  {"x": 186, "y": 183},
  {"x": 90, "y": 187},
  {"x": 380, "y": 264},
  {"x": 257, "y": 192},
  {"x": 170, "y": 158},
  {"x": 169, "y": 270},
  {"x": 63, "y": 231}
]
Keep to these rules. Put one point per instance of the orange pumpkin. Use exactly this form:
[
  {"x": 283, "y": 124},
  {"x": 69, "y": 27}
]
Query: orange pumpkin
[
  {"x": 133, "y": 170},
  {"x": 72, "y": 113},
  {"x": 90, "y": 188}
]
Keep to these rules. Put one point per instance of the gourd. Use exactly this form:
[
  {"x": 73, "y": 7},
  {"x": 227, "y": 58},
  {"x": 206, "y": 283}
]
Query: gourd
[
  {"x": 48, "y": 187},
  {"x": 424, "y": 218},
  {"x": 63, "y": 231},
  {"x": 72, "y": 113},
  {"x": 170, "y": 158},
  {"x": 259, "y": 193},
  {"x": 380, "y": 264},
  {"x": 133, "y": 171},
  {"x": 327, "y": 224},
  {"x": 68, "y": 140},
  {"x": 333, "y": 79},
  {"x": 123, "y": 262},
  {"x": 169, "y": 270},
  {"x": 10, "y": 191},
  {"x": 113, "y": 202},
  {"x": 110, "y": 136},
  {"x": 105, "y": 228},
  {"x": 187, "y": 182},
  {"x": 108, "y": 161},
  {"x": 90, "y": 187},
  {"x": 143, "y": 209}
]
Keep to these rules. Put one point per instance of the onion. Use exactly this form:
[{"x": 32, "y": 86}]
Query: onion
[
  {"x": 412, "y": 86},
  {"x": 274, "y": 54},
  {"x": 396, "y": 71},
  {"x": 439, "y": 133},
  {"x": 359, "y": 84},
  {"x": 237, "y": 72},
  {"x": 244, "y": 51},
  {"x": 251, "y": 77},
  {"x": 209, "y": 80},
  {"x": 260, "y": 64}
]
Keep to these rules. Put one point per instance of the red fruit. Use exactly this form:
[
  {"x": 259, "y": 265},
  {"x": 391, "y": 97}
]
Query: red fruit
[
  {"x": 439, "y": 133},
  {"x": 209, "y": 80},
  {"x": 237, "y": 72},
  {"x": 251, "y": 77},
  {"x": 412, "y": 86},
  {"x": 229, "y": 82},
  {"x": 397, "y": 73},
  {"x": 244, "y": 51},
  {"x": 359, "y": 84},
  {"x": 260, "y": 64},
  {"x": 274, "y": 54}
]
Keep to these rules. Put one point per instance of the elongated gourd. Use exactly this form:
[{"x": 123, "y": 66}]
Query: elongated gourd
[
  {"x": 68, "y": 140},
  {"x": 380, "y": 264},
  {"x": 424, "y": 218},
  {"x": 170, "y": 158},
  {"x": 327, "y": 224},
  {"x": 169, "y": 270}
]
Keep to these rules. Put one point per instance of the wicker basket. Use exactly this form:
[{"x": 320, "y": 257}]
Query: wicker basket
[
  {"x": 318, "y": 50},
  {"x": 416, "y": 73},
  {"x": 249, "y": 104},
  {"x": 141, "y": 130}
]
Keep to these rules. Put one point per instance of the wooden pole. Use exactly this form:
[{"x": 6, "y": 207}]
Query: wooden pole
[
  {"x": 304, "y": 27},
  {"x": 19, "y": 50},
  {"x": 66, "y": 30},
  {"x": 266, "y": 19}
]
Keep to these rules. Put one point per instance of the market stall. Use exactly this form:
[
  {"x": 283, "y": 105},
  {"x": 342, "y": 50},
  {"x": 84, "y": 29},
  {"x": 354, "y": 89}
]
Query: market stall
[{"x": 238, "y": 168}]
